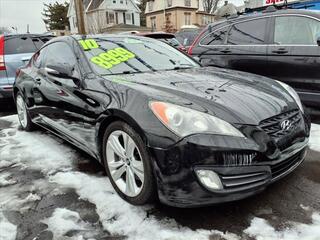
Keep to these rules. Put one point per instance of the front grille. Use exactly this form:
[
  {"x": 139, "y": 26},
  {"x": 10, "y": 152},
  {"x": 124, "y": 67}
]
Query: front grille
[
  {"x": 272, "y": 126},
  {"x": 243, "y": 181},
  {"x": 283, "y": 167}
]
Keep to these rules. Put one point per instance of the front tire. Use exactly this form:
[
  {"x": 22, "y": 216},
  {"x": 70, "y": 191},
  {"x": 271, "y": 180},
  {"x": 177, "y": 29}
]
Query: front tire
[
  {"x": 23, "y": 114},
  {"x": 127, "y": 163}
]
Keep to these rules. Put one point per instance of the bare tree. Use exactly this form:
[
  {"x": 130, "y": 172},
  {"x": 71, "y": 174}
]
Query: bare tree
[{"x": 210, "y": 6}]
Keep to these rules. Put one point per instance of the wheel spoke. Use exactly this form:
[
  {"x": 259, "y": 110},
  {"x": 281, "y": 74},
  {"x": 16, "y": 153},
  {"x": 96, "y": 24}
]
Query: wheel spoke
[
  {"x": 115, "y": 164},
  {"x": 131, "y": 186},
  {"x": 117, "y": 147},
  {"x": 129, "y": 145},
  {"x": 118, "y": 173},
  {"x": 137, "y": 168}
]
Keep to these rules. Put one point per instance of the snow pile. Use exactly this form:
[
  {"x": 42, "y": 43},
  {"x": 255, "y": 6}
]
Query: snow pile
[
  {"x": 261, "y": 230},
  {"x": 37, "y": 150},
  {"x": 8, "y": 231},
  {"x": 6, "y": 180},
  {"x": 314, "y": 142},
  {"x": 120, "y": 218},
  {"x": 62, "y": 221}
]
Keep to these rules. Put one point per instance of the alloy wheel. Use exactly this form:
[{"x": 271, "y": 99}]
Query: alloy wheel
[
  {"x": 125, "y": 163},
  {"x": 22, "y": 111}
]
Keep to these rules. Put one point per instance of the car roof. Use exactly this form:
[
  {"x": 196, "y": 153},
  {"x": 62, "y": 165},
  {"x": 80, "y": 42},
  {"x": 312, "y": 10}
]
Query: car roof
[
  {"x": 252, "y": 15},
  {"x": 80, "y": 37},
  {"x": 27, "y": 35}
]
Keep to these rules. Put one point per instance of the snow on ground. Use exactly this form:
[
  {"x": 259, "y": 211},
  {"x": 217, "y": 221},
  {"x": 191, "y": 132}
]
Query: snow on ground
[
  {"x": 8, "y": 231},
  {"x": 43, "y": 152},
  {"x": 262, "y": 230},
  {"x": 314, "y": 143},
  {"x": 62, "y": 221}
]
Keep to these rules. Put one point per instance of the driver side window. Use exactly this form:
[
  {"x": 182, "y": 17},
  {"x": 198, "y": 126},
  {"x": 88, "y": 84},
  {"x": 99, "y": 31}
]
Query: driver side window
[
  {"x": 296, "y": 30},
  {"x": 60, "y": 52}
]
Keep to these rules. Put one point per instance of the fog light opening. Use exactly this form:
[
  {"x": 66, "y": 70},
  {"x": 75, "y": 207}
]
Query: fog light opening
[{"x": 209, "y": 179}]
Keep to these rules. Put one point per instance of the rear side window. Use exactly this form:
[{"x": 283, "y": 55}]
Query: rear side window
[
  {"x": 247, "y": 33},
  {"x": 296, "y": 30},
  {"x": 215, "y": 38},
  {"x": 19, "y": 45},
  {"x": 38, "y": 58},
  {"x": 24, "y": 44}
]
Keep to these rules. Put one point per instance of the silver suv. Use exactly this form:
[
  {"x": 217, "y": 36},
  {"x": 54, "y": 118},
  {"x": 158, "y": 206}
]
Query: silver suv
[{"x": 15, "y": 52}]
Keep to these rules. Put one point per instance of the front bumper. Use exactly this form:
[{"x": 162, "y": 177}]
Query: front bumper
[{"x": 245, "y": 166}]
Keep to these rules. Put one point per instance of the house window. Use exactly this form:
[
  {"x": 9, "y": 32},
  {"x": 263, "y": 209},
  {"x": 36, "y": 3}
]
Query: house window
[
  {"x": 153, "y": 23},
  {"x": 114, "y": 1},
  {"x": 169, "y": 3},
  {"x": 110, "y": 17},
  {"x": 168, "y": 16},
  {"x": 121, "y": 1},
  {"x": 133, "y": 18},
  {"x": 205, "y": 20},
  {"x": 150, "y": 6},
  {"x": 187, "y": 3},
  {"x": 187, "y": 18},
  {"x": 128, "y": 17}
]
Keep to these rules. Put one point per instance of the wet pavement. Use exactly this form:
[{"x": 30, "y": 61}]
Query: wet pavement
[{"x": 292, "y": 199}]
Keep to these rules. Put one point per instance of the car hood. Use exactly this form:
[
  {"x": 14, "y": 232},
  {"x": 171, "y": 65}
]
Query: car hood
[{"x": 234, "y": 96}]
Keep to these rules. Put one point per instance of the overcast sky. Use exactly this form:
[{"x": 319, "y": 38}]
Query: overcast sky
[{"x": 19, "y": 13}]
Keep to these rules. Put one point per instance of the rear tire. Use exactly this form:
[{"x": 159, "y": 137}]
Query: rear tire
[
  {"x": 127, "y": 164},
  {"x": 23, "y": 114}
]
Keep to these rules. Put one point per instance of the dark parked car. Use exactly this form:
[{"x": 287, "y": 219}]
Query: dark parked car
[
  {"x": 283, "y": 45},
  {"x": 165, "y": 37},
  {"x": 16, "y": 51},
  {"x": 161, "y": 124},
  {"x": 187, "y": 36}
]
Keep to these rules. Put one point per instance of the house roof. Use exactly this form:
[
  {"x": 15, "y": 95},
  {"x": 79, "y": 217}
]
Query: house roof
[{"x": 94, "y": 4}]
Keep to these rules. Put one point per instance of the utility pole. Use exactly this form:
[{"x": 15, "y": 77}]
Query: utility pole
[{"x": 80, "y": 16}]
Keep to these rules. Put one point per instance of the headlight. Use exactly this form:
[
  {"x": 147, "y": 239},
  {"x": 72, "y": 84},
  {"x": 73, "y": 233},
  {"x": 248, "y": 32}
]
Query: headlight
[
  {"x": 184, "y": 121},
  {"x": 293, "y": 93}
]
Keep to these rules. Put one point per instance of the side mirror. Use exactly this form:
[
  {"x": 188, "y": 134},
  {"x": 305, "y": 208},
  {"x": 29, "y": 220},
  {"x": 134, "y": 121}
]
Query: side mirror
[
  {"x": 318, "y": 41},
  {"x": 63, "y": 70}
]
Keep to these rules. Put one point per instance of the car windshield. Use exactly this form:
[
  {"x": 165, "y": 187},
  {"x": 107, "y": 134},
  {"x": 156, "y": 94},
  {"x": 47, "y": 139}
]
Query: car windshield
[{"x": 123, "y": 55}]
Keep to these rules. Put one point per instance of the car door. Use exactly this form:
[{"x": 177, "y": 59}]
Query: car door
[
  {"x": 241, "y": 46},
  {"x": 61, "y": 100},
  {"x": 246, "y": 46},
  {"x": 210, "y": 47},
  {"x": 294, "y": 56}
]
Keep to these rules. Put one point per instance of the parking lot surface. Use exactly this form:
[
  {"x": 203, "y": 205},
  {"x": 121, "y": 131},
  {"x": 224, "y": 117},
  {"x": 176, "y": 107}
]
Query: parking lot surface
[{"x": 50, "y": 190}]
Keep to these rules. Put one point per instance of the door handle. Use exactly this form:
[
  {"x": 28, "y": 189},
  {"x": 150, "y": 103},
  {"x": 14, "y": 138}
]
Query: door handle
[
  {"x": 280, "y": 51},
  {"x": 226, "y": 50},
  {"x": 24, "y": 59}
]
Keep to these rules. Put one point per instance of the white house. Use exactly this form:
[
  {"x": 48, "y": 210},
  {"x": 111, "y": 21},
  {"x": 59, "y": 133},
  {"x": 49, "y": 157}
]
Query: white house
[{"x": 102, "y": 14}]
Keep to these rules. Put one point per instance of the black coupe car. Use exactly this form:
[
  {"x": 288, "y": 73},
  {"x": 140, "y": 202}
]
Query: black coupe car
[{"x": 162, "y": 125}]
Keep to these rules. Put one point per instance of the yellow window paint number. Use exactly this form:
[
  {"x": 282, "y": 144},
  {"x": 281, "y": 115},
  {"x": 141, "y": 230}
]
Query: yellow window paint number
[
  {"x": 112, "y": 57},
  {"x": 89, "y": 44}
]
